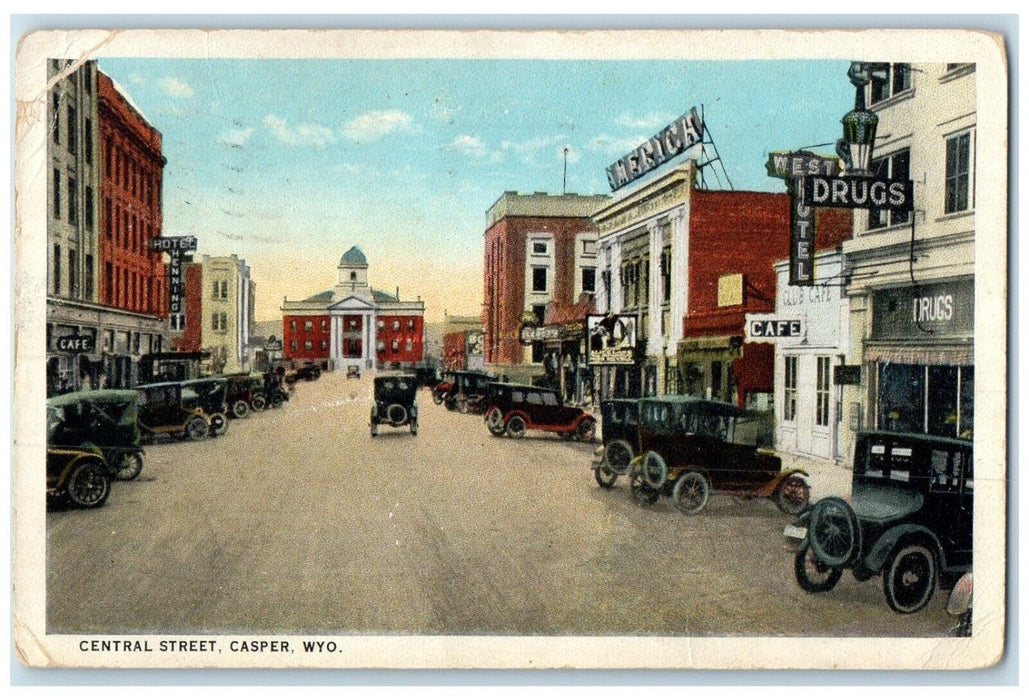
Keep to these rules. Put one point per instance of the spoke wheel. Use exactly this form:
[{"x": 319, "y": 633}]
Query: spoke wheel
[
  {"x": 910, "y": 580},
  {"x": 128, "y": 465},
  {"x": 88, "y": 484},
  {"x": 277, "y": 401},
  {"x": 259, "y": 403},
  {"x": 617, "y": 456},
  {"x": 495, "y": 422},
  {"x": 604, "y": 476},
  {"x": 219, "y": 424},
  {"x": 792, "y": 495},
  {"x": 437, "y": 397},
  {"x": 197, "y": 428},
  {"x": 240, "y": 409},
  {"x": 834, "y": 532},
  {"x": 690, "y": 493},
  {"x": 812, "y": 575},
  {"x": 655, "y": 470},
  {"x": 587, "y": 430},
  {"x": 516, "y": 427},
  {"x": 643, "y": 494}
]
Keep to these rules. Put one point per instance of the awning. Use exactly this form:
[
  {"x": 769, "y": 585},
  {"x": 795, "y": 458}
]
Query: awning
[
  {"x": 954, "y": 355},
  {"x": 710, "y": 347}
]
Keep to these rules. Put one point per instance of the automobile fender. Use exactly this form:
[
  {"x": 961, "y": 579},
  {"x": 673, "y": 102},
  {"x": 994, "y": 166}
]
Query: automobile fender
[
  {"x": 93, "y": 453},
  {"x": 887, "y": 542},
  {"x": 579, "y": 419},
  {"x": 521, "y": 414},
  {"x": 769, "y": 488}
]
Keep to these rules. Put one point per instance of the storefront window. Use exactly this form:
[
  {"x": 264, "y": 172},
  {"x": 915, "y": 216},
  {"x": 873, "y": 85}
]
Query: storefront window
[
  {"x": 967, "y": 401},
  {"x": 902, "y": 397},
  {"x": 822, "y": 392},
  {"x": 943, "y": 398},
  {"x": 789, "y": 398}
]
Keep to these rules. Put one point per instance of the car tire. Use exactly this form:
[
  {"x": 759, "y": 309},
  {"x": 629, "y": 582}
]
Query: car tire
[
  {"x": 812, "y": 575},
  {"x": 197, "y": 428},
  {"x": 414, "y": 427},
  {"x": 516, "y": 427},
  {"x": 396, "y": 414},
  {"x": 219, "y": 424},
  {"x": 792, "y": 495},
  {"x": 909, "y": 579},
  {"x": 240, "y": 409},
  {"x": 604, "y": 476},
  {"x": 691, "y": 492},
  {"x": 655, "y": 470},
  {"x": 258, "y": 403},
  {"x": 127, "y": 466},
  {"x": 462, "y": 405},
  {"x": 88, "y": 485},
  {"x": 437, "y": 397},
  {"x": 643, "y": 494},
  {"x": 834, "y": 532},
  {"x": 618, "y": 454},
  {"x": 587, "y": 430},
  {"x": 495, "y": 421},
  {"x": 277, "y": 401}
]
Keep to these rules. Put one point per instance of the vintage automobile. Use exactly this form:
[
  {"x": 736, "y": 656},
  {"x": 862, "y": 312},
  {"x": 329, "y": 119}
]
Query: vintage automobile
[
  {"x": 619, "y": 421},
  {"x": 909, "y": 518},
  {"x": 512, "y": 409},
  {"x": 268, "y": 389},
  {"x": 239, "y": 394},
  {"x": 395, "y": 402},
  {"x": 353, "y": 372},
  {"x": 463, "y": 391},
  {"x": 104, "y": 419},
  {"x": 209, "y": 393},
  {"x": 427, "y": 375},
  {"x": 308, "y": 372},
  {"x": 689, "y": 447},
  {"x": 77, "y": 474},
  {"x": 172, "y": 408}
]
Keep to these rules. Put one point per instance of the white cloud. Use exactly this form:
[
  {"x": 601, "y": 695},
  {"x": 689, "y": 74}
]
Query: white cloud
[
  {"x": 615, "y": 146},
  {"x": 306, "y": 134},
  {"x": 654, "y": 120},
  {"x": 469, "y": 145},
  {"x": 376, "y": 124},
  {"x": 236, "y": 137},
  {"x": 176, "y": 87}
]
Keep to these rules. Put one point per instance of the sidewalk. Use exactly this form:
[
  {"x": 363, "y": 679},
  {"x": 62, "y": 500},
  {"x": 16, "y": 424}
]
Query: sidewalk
[{"x": 826, "y": 477}]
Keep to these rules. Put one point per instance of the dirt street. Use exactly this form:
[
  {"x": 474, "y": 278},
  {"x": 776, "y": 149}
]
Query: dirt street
[{"x": 297, "y": 521}]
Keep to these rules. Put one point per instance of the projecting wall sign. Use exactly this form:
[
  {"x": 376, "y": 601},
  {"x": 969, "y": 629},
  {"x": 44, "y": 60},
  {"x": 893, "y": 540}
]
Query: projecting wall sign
[{"x": 684, "y": 132}]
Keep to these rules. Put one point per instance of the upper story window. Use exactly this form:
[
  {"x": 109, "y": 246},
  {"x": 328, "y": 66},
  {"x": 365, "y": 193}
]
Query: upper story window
[
  {"x": 395, "y": 325},
  {"x": 958, "y": 178},
  {"x": 589, "y": 279},
  {"x": 539, "y": 247},
  {"x": 410, "y": 324},
  {"x": 539, "y": 279},
  {"x": 221, "y": 289},
  {"x": 219, "y": 321},
  {"x": 72, "y": 118},
  {"x": 589, "y": 246},
  {"x": 895, "y": 79},
  {"x": 896, "y": 166},
  {"x": 308, "y": 326},
  {"x": 55, "y": 117}
]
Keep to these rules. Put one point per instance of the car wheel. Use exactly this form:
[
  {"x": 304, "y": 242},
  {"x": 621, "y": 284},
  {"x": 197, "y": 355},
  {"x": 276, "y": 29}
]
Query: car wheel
[
  {"x": 128, "y": 465},
  {"x": 219, "y": 424},
  {"x": 462, "y": 405},
  {"x": 690, "y": 493},
  {"x": 655, "y": 470},
  {"x": 396, "y": 414},
  {"x": 792, "y": 495},
  {"x": 258, "y": 403},
  {"x": 516, "y": 427},
  {"x": 910, "y": 579},
  {"x": 643, "y": 494},
  {"x": 414, "y": 427},
  {"x": 587, "y": 430},
  {"x": 604, "y": 476},
  {"x": 495, "y": 421},
  {"x": 277, "y": 401},
  {"x": 197, "y": 428},
  {"x": 834, "y": 532},
  {"x": 88, "y": 484},
  {"x": 812, "y": 575},
  {"x": 437, "y": 397},
  {"x": 617, "y": 455},
  {"x": 240, "y": 409}
]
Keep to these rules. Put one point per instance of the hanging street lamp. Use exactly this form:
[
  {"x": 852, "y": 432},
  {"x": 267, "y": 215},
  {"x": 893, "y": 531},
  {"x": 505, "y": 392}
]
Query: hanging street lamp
[{"x": 859, "y": 125}]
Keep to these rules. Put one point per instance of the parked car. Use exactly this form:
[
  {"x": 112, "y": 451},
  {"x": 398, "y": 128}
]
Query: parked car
[
  {"x": 463, "y": 391},
  {"x": 239, "y": 394},
  {"x": 512, "y": 409},
  {"x": 105, "y": 419},
  {"x": 909, "y": 518},
  {"x": 395, "y": 402},
  {"x": 353, "y": 372},
  {"x": 171, "y": 408},
  {"x": 309, "y": 372},
  {"x": 619, "y": 421},
  {"x": 427, "y": 376},
  {"x": 268, "y": 389},
  {"x": 76, "y": 473},
  {"x": 209, "y": 393},
  {"x": 689, "y": 447}
]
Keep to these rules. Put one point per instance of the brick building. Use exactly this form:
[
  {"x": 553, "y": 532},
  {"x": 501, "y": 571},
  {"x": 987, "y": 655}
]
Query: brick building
[
  {"x": 353, "y": 323},
  {"x": 539, "y": 249}
]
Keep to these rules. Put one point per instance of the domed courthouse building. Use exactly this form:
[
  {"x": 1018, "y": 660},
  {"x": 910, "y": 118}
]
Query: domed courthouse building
[{"x": 353, "y": 324}]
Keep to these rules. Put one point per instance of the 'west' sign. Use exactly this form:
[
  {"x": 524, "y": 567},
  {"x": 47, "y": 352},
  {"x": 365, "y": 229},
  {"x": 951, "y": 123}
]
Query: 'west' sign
[
  {"x": 859, "y": 193},
  {"x": 686, "y": 131},
  {"x": 800, "y": 163}
]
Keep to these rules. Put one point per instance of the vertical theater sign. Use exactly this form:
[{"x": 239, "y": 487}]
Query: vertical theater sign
[{"x": 177, "y": 247}]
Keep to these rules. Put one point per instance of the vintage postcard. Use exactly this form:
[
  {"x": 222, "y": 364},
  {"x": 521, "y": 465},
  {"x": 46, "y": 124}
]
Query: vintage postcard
[{"x": 505, "y": 349}]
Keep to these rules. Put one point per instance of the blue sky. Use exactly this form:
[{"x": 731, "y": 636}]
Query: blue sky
[{"x": 288, "y": 163}]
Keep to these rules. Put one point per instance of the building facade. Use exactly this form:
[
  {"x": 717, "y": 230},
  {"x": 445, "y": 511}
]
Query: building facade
[
  {"x": 353, "y": 324},
  {"x": 227, "y": 312},
  {"x": 911, "y": 275},
  {"x": 104, "y": 285},
  {"x": 539, "y": 250},
  {"x": 463, "y": 343}
]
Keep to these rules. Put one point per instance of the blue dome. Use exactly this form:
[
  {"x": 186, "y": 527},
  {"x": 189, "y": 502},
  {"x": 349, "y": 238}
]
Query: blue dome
[{"x": 354, "y": 256}]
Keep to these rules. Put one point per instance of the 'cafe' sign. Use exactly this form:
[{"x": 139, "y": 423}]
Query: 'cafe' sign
[{"x": 684, "y": 132}]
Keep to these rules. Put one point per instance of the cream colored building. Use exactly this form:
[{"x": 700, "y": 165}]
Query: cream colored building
[{"x": 227, "y": 312}]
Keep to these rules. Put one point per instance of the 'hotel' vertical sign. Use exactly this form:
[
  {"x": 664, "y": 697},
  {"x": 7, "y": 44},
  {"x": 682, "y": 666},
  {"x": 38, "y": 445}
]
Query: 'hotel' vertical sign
[{"x": 176, "y": 247}]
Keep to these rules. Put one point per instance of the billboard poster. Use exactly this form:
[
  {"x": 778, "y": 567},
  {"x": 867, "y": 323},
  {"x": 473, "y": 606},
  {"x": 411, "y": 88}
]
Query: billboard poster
[{"x": 611, "y": 339}]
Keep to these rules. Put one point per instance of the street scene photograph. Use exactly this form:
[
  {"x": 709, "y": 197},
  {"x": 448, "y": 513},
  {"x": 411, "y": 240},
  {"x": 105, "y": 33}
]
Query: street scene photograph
[{"x": 519, "y": 339}]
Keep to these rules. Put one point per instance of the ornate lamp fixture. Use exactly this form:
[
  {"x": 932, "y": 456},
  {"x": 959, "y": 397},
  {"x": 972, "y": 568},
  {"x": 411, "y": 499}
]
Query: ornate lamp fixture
[{"x": 859, "y": 125}]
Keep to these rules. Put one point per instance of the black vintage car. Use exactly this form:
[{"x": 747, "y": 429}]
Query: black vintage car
[
  {"x": 209, "y": 393},
  {"x": 512, "y": 409},
  {"x": 170, "y": 408},
  {"x": 463, "y": 391},
  {"x": 395, "y": 403},
  {"x": 909, "y": 518},
  {"x": 308, "y": 371},
  {"x": 105, "y": 419},
  {"x": 267, "y": 390},
  {"x": 77, "y": 473},
  {"x": 619, "y": 422},
  {"x": 690, "y": 446},
  {"x": 239, "y": 395}
]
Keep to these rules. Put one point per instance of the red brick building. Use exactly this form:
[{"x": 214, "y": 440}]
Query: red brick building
[
  {"x": 133, "y": 277},
  {"x": 539, "y": 249},
  {"x": 354, "y": 324}
]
